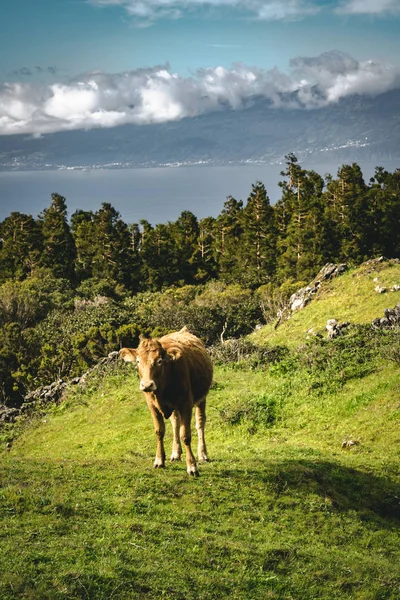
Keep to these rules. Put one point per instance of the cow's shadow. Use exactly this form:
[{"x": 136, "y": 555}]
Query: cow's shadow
[{"x": 345, "y": 488}]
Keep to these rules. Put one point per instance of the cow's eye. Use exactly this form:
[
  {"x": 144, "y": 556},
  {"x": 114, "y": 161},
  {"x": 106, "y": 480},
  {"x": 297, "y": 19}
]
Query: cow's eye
[
  {"x": 159, "y": 361},
  {"x": 137, "y": 361}
]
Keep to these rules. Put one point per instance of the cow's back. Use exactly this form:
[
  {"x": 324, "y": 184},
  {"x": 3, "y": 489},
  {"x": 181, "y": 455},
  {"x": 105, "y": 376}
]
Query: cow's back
[{"x": 193, "y": 366}]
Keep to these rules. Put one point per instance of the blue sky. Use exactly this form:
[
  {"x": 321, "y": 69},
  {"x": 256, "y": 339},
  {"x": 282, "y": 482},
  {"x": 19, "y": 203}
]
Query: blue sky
[{"x": 50, "y": 49}]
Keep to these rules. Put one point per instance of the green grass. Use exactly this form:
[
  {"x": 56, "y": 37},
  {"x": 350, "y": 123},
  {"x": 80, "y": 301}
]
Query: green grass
[
  {"x": 351, "y": 297},
  {"x": 282, "y": 511}
]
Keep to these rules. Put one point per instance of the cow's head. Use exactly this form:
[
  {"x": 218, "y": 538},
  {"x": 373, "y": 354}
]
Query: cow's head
[{"x": 151, "y": 359}]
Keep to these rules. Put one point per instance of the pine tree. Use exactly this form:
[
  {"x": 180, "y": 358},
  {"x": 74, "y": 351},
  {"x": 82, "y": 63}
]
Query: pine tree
[
  {"x": 58, "y": 244},
  {"x": 20, "y": 246},
  {"x": 300, "y": 222},
  {"x": 113, "y": 258},
  {"x": 258, "y": 247},
  {"x": 384, "y": 212},
  {"x": 347, "y": 214},
  {"x": 83, "y": 232},
  {"x": 228, "y": 230},
  {"x": 185, "y": 234},
  {"x": 158, "y": 256},
  {"x": 204, "y": 254}
]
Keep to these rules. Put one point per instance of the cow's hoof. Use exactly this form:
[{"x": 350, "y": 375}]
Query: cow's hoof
[
  {"x": 158, "y": 465},
  {"x": 193, "y": 472},
  {"x": 204, "y": 458},
  {"x": 175, "y": 458}
]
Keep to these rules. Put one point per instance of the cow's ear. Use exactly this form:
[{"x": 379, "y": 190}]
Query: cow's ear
[
  {"x": 128, "y": 354},
  {"x": 174, "y": 353}
]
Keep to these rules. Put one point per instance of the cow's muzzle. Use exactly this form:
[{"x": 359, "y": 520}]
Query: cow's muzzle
[{"x": 147, "y": 386}]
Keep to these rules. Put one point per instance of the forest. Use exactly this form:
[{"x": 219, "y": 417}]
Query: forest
[{"x": 74, "y": 289}]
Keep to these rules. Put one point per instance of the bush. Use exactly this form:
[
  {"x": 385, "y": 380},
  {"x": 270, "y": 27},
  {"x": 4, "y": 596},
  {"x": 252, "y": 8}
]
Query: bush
[
  {"x": 91, "y": 288},
  {"x": 355, "y": 354},
  {"x": 255, "y": 411},
  {"x": 243, "y": 352},
  {"x": 28, "y": 302}
]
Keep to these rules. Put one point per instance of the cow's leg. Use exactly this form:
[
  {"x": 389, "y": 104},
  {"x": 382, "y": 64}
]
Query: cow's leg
[
  {"x": 200, "y": 424},
  {"x": 159, "y": 428},
  {"x": 186, "y": 437},
  {"x": 176, "y": 443}
]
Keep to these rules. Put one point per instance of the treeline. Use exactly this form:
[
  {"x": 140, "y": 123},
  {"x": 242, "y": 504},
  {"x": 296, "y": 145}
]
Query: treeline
[
  {"x": 315, "y": 221},
  {"x": 72, "y": 291}
]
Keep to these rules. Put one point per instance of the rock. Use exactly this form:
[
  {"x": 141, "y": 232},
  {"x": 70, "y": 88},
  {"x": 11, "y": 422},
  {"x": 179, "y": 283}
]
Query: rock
[
  {"x": 391, "y": 318},
  {"x": 395, "y": 288},
  {"x": 302, "y": 297},
  {"x": 7, "y": 414},
  {"x": 52, "y": 393},
  {"x": 380, "y": 290},
  {"x": 335, "y": 329},
  {"x": 349, "y": 443}
]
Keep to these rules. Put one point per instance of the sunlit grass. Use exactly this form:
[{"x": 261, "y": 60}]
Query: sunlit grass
[
  {"x": 351, "y": 297},
  {"x": 280, "y": 512}
]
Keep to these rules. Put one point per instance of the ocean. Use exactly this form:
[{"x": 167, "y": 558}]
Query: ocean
[{"x": 157, "y": 195}]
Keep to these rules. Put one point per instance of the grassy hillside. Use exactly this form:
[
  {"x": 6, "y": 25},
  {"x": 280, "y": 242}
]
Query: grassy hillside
[
  {"x": 281, "y": 511},
  {"x": 350, "y": 297}
]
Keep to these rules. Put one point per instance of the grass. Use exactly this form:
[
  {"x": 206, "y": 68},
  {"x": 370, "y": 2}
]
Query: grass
[
  {"x": 351, "y": 297},
  {"x": 282, "y": 511}
]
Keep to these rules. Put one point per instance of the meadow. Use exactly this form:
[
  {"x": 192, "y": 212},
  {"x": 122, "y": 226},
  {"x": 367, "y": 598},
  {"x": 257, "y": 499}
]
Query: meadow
[{"x": 300, "y": 500}]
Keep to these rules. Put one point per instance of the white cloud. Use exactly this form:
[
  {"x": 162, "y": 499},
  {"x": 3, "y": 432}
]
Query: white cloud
[
  {"x": 369, "y": 7},
  {"x": 151, "y": 10},
  {"x": 158, "y": 95}
]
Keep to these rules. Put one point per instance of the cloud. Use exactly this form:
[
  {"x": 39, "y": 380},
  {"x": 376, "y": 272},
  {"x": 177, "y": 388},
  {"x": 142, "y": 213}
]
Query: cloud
[
  {"x": 369, "y": 7},
  {"x": 158, "y": 95},
  {"x": 271, "y": 10},
  {"x": 335, "y": 75}
]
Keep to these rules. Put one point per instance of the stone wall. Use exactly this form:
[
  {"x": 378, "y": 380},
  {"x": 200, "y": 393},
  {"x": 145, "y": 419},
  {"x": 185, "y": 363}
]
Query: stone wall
[{"x": 51, "y": 394}]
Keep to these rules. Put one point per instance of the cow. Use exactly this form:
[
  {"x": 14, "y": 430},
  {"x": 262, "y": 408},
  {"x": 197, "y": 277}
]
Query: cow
[{"x": 175, "y": 375}]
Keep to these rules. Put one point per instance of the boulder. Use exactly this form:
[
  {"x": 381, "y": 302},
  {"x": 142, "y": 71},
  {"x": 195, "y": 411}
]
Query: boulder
[
  {"x": 390, "y": 319},
  {"x": 335, "y": 329},
  {"x": 302, "y": 297}
]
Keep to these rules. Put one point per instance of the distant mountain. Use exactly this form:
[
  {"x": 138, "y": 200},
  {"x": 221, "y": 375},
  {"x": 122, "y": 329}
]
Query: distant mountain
[{"x": 354, "y": 129}]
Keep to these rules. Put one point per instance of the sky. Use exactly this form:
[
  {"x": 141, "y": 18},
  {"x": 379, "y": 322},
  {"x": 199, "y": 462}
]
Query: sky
[{"x": 80, "y": 64}]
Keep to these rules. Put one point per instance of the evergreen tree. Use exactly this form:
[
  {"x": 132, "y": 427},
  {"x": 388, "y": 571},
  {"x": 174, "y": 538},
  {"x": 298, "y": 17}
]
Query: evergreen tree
[
  {"x": 58, "y": 244},
  {"x": 186, "y": 233},
  {"x": 347, "y": 216},
  {"x": 158, "y": 256},
  {"x": 20, "y": 246},
  {"x": 258, "y": 245},
  {"x": 113, "y": 257},
  {"x": 83, "y": 232},
  {"x": 204, "y": 254},
  {"x": 384, "y": 212},
  {"x": 227, "y": 239},
  {"x": 300, "y": 222}
]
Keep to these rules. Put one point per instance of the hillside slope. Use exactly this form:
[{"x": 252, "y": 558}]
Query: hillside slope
[
  {"x": 299, "y": 501},
  {"x": 351, "y": 297}
]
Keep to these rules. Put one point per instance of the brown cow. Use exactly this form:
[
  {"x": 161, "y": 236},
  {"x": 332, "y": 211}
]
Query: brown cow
[{"x": 175, "y": 374}]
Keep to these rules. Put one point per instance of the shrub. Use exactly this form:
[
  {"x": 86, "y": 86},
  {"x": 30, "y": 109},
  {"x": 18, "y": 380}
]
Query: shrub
[
  {"x": 243, "y": 352},
  {"x": 355, "y": 354},
  {"x": 255, "y": 411}
]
